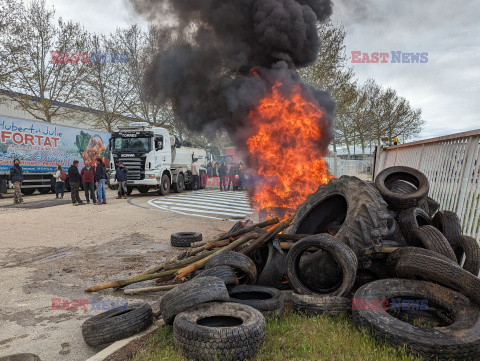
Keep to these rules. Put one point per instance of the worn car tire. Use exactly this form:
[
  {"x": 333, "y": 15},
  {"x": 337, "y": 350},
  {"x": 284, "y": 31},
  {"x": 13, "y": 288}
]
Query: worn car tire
[
  {"x": 433, "y": 206},
  {"x": 410, "y": 252},
  {"x": 412, "y": 218},
  {"x": 219, "y": 331},
  {"x": 468, "y": 246},
  {"x": 317, "y": 305},
  {"x": 391, "y": 176},
  {"x": 185, "y": 239},
  {"x": 448, "y": 223},
  {"x": 117, "y": 324},
  {"x": 442, "y": 272},
  {"x": 244, "y": 267},
  {"x": 274, "y": 271},
  {"x": 458, "y": 341},
  {"x": 344, "y": 257},
  {"x": 225, "y": 273},
  {"x": 349, "y": 203},
  {"x": 191, "y": 294},
  {"x": 431, "y": 238},
  {"x": 264, "y": 299}
]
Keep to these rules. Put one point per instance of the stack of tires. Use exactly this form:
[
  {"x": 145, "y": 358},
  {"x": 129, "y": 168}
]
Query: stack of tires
[
  {"x": 379, "y": 251},
  {"x": 385, "y": 251}
]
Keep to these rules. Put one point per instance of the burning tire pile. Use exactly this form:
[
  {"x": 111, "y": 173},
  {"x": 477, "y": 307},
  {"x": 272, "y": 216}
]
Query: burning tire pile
[{"x": 381, "y": 251}]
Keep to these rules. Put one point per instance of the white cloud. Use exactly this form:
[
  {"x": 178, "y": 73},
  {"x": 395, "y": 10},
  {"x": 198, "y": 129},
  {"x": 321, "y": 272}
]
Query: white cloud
[{"x": 446, "y": 88}]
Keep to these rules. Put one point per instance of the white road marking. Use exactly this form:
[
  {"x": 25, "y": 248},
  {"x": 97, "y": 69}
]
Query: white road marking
[{"x": 206, "y": 204}]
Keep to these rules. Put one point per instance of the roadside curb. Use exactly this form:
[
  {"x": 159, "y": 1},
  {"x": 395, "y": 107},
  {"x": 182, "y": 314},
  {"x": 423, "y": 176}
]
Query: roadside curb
[{"x": 116, "y": 346}]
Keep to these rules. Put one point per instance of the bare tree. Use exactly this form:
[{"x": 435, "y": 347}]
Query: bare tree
[
  {"x": 38, "y": 84},
  {"x": 105, "y": 81},
  {"x": 9, "y": 13},
  {"x": 142, "y": 47}
]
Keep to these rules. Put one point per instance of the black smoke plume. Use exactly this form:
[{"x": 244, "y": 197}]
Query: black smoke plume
[{"x": 229, "y": 53}]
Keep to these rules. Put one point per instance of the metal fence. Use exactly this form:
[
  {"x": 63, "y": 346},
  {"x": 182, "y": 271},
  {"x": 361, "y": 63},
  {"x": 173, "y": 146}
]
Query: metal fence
[
  {"x": 452, "y": 165},
  {"x": 359, "y": 168}
]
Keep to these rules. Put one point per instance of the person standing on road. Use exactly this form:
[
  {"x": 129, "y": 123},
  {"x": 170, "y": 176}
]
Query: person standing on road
[
  {"x": 16, "y": 177},
  {"x": 75, "y": 180},
  {"x": 121, "y": 178},
  {"x": 88, "y": 178},
  {"x": 100, "y": 178},
  {"x": 60, "y": 177},
  {"x": 222, "y": 175},
  {"x": 231, "y": 176},
  {"x": 195, "y": 167}
]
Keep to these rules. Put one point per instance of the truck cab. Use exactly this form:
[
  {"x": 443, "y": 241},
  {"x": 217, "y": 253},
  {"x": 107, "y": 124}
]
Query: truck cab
[{"x": 153, "y": 158}]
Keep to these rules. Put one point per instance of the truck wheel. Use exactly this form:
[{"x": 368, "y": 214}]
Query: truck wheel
[
  {"x": 44, "y": 190},
  {"x": 164, "y": 187},
  {"x": 143, "y": 189},
  {"x": 179, "y": 186},
  {"x": 188, "y": 181},
  {"x": 28, "y": 191},
  {"x": 129, "y": 190}
]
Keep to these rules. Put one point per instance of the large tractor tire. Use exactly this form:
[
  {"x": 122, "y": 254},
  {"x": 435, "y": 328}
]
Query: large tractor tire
[{"x": 347, "y": 207}]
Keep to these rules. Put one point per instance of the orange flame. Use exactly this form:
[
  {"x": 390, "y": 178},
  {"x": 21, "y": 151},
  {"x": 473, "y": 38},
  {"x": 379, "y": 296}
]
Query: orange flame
[{"x": 285, "y": 147}]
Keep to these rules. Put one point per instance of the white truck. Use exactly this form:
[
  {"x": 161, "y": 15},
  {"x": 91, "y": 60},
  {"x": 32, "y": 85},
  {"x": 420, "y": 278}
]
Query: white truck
[{"x": 154, "y": 159}]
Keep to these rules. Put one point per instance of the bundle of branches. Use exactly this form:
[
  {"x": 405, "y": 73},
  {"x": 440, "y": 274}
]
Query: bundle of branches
[{"x": 176, "y": 270}]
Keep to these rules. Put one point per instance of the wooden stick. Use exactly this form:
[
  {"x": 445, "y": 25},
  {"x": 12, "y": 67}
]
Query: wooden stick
[
  {"x": 292, "y": 237},
  {"x": 149, "y": 289},
  {"x": 182, "y": 273},
  {"x": 266, "y": 237},
  {"x": 241, "y": 232},
  {"x": 286, "y": 245},
  {"x": 129, "y": 281}
]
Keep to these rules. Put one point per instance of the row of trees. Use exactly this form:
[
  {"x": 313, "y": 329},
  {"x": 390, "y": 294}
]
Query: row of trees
[
  {"x": 365, "y": 113},
  {"x": 38, "y": 82}
]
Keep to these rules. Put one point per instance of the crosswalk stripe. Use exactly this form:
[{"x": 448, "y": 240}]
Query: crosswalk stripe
[
  {"x": 209, "y": 202},
  {"x": 245, "y": 211},
  {"x": 206, "y": 204},
  {"x": 214, "y": 195}
]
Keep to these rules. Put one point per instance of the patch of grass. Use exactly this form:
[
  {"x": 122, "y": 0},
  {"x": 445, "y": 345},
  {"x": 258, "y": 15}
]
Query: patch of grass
[{"x": 293, "y": 337}]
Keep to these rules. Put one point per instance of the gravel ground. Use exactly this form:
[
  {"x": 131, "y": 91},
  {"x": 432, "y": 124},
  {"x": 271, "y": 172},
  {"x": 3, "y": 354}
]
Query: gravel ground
[{"x": 50, "y": 249}]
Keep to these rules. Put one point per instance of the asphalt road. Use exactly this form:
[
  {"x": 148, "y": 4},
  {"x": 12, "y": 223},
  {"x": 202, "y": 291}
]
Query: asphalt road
[{"x": 51, "y": 251}]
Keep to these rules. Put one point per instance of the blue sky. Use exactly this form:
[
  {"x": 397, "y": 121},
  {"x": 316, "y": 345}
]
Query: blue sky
[{"x": 447, "y": 88}]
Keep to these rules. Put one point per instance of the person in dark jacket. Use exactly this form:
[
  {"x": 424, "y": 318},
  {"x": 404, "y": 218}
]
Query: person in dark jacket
[
  {"x": 75, "y": 180},
  {"x": 16, "y": 176},
  {"x": 100, "y": 178},
  {"x": 88, "y": 178},
  {"x": 222, "y": 174},
  {"x": 121, "y": 178}
]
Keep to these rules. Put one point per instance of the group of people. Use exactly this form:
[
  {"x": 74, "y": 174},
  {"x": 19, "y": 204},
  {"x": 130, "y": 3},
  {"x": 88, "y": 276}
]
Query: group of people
[
  {"x": 91, "y": 177},
  {"x": 229, "y": 174}
]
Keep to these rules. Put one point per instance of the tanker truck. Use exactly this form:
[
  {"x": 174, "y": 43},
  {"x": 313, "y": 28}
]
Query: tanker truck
[{"x": 154, "y": 159}]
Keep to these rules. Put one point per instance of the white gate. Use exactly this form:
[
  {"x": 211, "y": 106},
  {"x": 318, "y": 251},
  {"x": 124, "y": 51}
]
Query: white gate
[{"x": 452, "y": 165}]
